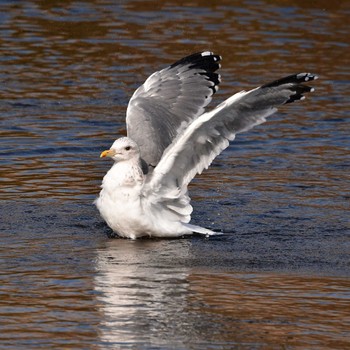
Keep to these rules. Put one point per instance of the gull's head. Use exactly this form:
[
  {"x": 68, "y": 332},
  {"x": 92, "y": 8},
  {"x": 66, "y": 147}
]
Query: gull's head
[{"x": 122, "y": 149}]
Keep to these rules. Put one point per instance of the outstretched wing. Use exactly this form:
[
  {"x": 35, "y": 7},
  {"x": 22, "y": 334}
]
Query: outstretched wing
[
  {"x": 210, "y": 134},
  {"x": 169, "y": 100}
]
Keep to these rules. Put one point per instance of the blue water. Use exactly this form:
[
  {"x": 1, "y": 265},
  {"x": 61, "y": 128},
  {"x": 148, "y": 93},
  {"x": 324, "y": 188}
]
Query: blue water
[{"x": 279, "y": 275}]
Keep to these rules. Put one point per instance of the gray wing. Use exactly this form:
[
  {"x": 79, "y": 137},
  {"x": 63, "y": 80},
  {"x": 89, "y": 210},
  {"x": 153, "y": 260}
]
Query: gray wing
[
  {"x": 209, "y": 135},
  {"x": 169, "y": 100}
]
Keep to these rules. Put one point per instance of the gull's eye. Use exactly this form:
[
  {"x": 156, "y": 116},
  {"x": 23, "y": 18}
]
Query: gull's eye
[{"x": 127, "y": 148}]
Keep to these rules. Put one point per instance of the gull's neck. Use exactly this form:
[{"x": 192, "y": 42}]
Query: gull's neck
[{"x": 124, "y": 173}]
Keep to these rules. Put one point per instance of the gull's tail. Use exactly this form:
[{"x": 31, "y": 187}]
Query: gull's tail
[{"x": 201, "y": 230}]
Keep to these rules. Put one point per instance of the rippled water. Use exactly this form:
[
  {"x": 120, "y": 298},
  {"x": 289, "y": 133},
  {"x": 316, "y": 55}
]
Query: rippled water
[{"x": 277, "y": 278}]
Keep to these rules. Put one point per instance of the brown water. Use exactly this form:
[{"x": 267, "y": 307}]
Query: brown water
[{"x": 279, "y": 276}]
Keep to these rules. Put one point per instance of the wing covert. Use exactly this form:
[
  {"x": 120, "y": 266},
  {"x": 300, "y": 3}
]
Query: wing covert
[{"x": 169, "y": 100}]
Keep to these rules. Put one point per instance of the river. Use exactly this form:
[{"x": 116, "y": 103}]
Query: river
[{"x": 278, "y": 277}]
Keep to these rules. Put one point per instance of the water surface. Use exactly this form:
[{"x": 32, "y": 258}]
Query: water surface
[{"x": 277, "y": 278}]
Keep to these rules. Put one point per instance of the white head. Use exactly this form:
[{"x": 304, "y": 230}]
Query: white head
[{"x": 122, "y": 149}]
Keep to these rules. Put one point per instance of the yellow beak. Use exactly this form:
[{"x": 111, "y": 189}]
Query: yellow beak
[{"x": 107, "y": 153}]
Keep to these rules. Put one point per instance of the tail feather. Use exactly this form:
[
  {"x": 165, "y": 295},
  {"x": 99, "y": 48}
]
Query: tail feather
[{"x": 201, "y": 230}]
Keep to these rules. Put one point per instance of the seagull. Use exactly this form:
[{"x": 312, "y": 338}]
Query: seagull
[{"x": 171, "y": 138}]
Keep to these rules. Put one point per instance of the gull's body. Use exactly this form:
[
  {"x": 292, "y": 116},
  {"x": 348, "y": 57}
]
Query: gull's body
[
  {"x": 123, "y": 202},
  {"x": 171, "y": 139}
]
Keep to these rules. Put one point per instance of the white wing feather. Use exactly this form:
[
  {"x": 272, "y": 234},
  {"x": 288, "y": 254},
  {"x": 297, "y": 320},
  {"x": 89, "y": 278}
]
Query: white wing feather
[
  {"x": 169, "y": 100},
  {"x": 207, "y": 136},
  {"x": 202, "y": 141}
]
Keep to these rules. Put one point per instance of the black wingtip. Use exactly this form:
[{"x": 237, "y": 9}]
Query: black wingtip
[
  {"x": 294, "y": 83},
  {"x": 206, "y": 62},
  {"x": 292, "y": 79}
]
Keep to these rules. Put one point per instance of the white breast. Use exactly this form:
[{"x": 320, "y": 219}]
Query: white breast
[{"x": 119, "y": 201}]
